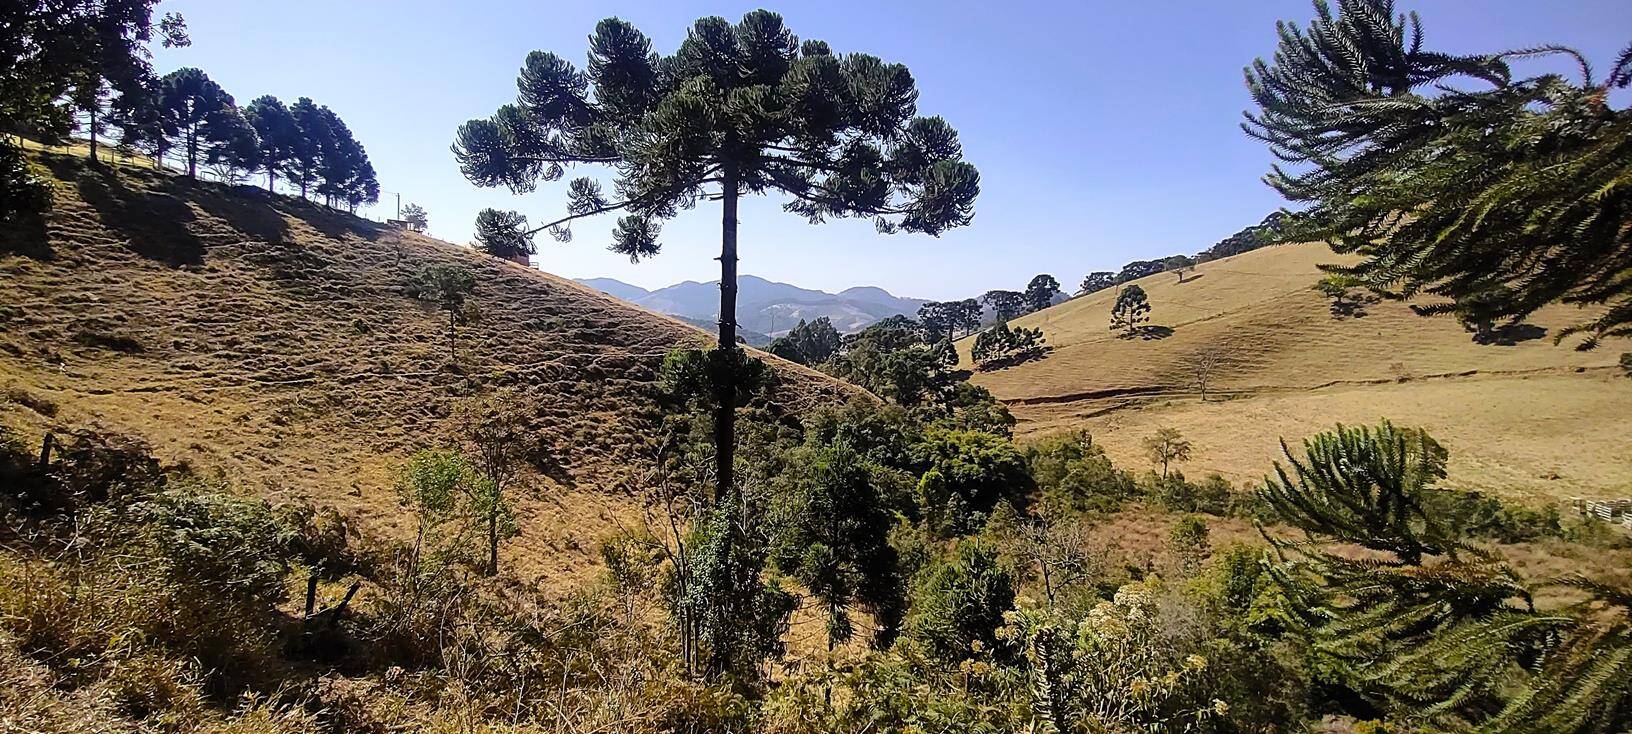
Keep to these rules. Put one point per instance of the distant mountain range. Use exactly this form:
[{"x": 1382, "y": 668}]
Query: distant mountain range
[{"x": 763, "y": 306}]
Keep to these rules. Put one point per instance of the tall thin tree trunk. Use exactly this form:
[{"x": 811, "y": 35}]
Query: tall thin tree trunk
[
  {"x": 725, "y": 415},
  {"x": 492, "y": 543},
  {"x": 192, "y": 155},
  {"x": 93, "y": 135},
  {"x": 271, "y": 178}
]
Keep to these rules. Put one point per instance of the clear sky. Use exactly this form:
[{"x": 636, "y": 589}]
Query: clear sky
[{"x": 1104, "y": 131}]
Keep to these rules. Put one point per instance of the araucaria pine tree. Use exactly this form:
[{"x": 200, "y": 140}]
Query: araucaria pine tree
[
  {"x": 277, "y": 132},
  {"x": 1131, "y": 309},
  {"x": 199, "y": 114},
  {"x": 1497, "y": 200},
  {"x": 1426, "y": 626},
  {"x": 737, "y": 109},
  {"x": 450, "y": 288}
]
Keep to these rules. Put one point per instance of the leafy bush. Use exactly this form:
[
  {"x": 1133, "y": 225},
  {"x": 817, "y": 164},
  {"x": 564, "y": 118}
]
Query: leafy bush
[
  {"x": 965, "y": 475},
  {"x": 1472, "y": 513},
  {"x": 958, "y": 604},
  {"x": 1074, "y": 476},
  {"x": 1118, "y": 668}
]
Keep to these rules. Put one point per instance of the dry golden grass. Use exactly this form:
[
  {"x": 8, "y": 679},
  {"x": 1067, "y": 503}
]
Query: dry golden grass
[
  {"x": 272, "y": 341},
  {"x": 1528, "y": 419}
]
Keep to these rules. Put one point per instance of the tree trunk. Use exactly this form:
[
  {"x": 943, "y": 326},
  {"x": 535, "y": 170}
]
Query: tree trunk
[
  {"x": 271, "y": 178},
  {"x": 93, "y": 135},
  {"x": 725, "y": 415},
  {"x": 492, "y": 543},
  {"x": 192, "y": 154}
]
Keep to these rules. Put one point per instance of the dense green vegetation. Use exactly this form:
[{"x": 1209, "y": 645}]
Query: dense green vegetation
[{"x": 969, "y": 563}]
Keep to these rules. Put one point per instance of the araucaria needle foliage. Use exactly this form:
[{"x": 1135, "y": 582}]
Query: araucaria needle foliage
[
  {"x": 1423, "y": 625},
  {"x": 1451, "y": 176}
]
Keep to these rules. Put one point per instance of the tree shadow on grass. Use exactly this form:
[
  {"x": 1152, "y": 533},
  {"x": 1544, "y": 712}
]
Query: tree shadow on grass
[
  {"x": 331, "y": 223},
  {"x": 156, "y": 222},
  {"x": 1510, "y": 335},
  {"x": 249, "y": 210},
  {"x": 1147, "y": 333},
  {"x": 24, "y": 234}
]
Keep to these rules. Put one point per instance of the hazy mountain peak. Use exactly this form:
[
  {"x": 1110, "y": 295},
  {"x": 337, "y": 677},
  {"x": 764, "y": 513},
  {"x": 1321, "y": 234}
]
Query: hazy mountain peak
[{"x": 766, "y": 306}]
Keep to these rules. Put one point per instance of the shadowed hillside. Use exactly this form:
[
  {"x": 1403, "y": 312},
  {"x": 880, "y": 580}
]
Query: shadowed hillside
[
  {"x": 275, "y": 342},
  {"x": 1520, "y": 416}
]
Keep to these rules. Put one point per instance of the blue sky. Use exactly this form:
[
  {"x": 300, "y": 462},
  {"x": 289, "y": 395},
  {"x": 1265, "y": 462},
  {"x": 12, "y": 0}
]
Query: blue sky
[{"x": 1104, "y": 132}]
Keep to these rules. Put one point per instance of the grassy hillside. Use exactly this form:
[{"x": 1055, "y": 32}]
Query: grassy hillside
[
  {"x": 1523, "y": 418},
  {"x": 273, "y": 342}
]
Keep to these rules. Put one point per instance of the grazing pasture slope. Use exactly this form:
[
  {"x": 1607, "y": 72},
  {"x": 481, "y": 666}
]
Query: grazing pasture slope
[{"x": 1523, "y": 417}]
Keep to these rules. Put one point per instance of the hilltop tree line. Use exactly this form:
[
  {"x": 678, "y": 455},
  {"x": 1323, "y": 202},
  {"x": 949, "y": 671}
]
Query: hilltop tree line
[
  {"x": 59, "y": 59},
  {"x": 1274, "y": 229},
  {"x": 81, "y": 66},
  {"x": 186, "y": 115},
  {"x": 956, "y": 319}
]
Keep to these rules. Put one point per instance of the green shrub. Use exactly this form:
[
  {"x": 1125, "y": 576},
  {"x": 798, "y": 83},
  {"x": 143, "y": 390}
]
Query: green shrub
[
  {"x": 965, "y": 475},
  {"x": 1074, "y": 476},
  {"x": 957, "y": 604}
]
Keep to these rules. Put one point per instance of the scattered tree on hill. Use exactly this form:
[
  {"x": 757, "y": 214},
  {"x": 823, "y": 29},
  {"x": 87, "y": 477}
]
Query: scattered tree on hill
[
  {"x": 1183, "y": 270},
  {"x": 493, "y": 428},
  {"x": 277, "y": 132},
  {"x": 1139, "y": 269},
  {"x": 965, "y": 315},
  {"x": 1176, "y": 262},
  {"x": 306, "y": 156},
  {"x": 808, "y": 343},
  {"x": 1096, "y": 281},
  {"x": 1347, "y": 294},
  {"x": 346, "y": 175},
  {"x": 416, "y": 217},
  {"x": 450, "y": 287},
  {"x": 1040, "y": 292},
  {"x": 1002, "y": 346},
  {"x": 1204, "y": 364},
  {"x": 497, "y": 234},
  {"x": 738, "y": 108},
  {"x": 112, "y": 54},
  {"x": 1511, "y": 194},
  {"x": 199, "y": 114},
  {"x": 1166, "y": 447},
  {"x": 238, "y": 153},
  {"x": 1131, "y": 309},
  {"x": 1004, "y": 305},
  {"x": 1272, "y": 230}
]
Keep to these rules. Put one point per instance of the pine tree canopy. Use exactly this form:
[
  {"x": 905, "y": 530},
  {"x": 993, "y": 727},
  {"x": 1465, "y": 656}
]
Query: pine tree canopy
[
  {"x": 749, "y": 102},
  {"x": 1430, "y": 628},
  {"x": 1496, "y": 201}
]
